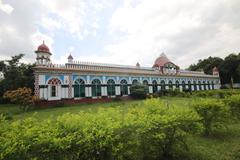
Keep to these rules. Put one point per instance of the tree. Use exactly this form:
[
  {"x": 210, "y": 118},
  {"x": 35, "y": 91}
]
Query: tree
[
  {"x": 206, "y": 65},
  {"x": 16, "y": 74},
  {"x": 22, "y": 96},
  {"x": 229, "y": 67},
  {"x": 139, "y": 91}
]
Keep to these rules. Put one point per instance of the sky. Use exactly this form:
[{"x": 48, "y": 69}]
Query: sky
[{"x": 120, "y": 31}]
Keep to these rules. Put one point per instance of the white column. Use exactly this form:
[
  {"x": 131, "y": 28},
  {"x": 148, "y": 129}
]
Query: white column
[
  {"x": 89, "y": 91},
  {"x": 103, "y": 91},
  {"x": 180, "y": 88},
  {"x": 197, "y": 87},
  {"x": 192, "y": 87},
  {"x": 158, "y": 88},
  {"x": 150, "y": 89},
  {"x": 129, "y": 90},
  {"x": 86, "y": 92},
  {"x": 174, "y": 87},
  {"x": 117, "y": 90}
]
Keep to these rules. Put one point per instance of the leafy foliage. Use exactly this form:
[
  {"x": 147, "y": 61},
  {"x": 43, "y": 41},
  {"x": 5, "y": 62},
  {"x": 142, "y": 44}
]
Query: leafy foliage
[
  {"x": 214, "y": 114},
  {"x": 151, "y": 132},
  {"x": 139, "y": 91},
  {"x": 21, "y": 96},
  {"x": 229, "y": 67},
  {"x": 16, "y": 74},
  {"x": 234, "y": 104}
]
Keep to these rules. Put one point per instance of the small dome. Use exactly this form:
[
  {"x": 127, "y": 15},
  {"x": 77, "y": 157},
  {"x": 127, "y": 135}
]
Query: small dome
[
  {"x": 161, "y": 61},
  {"x": 43, "y": 48},
  {"x": 70, "y": 56}
]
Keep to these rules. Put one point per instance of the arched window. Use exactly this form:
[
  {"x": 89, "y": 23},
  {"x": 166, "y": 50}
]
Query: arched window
[
  {"x": 124, "y": 87},
  {"x": 189, "y": 85},
  {"x": 177, "y": 84},
  {"x": 145, "y": 82},
  {"x": 195, "y": 85},
  {"x": 163, "y": 87},
  {"x": 54, "y": 82},
  {"x": 200, "y": 85},
  {"x": 135, "y": 81},
  {"x": 79, "y": 88},
  {"x": 183, "y": 86},
  {"x": 96, "y": 88},
  {"x": 110, "y": 87},
  {"x": 204, "y": 85},
  {"x": 154, "y": 84},
  {"x": 170, "y": 85}
]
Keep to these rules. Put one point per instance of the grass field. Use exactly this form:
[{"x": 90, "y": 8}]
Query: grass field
[{"x": 225, "y": 145}]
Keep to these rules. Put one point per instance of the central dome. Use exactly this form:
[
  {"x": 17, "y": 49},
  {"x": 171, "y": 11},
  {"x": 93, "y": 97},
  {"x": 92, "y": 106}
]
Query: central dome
[{"x": 161, "y": 61}]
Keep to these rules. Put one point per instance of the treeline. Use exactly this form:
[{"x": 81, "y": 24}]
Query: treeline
[{"x": 229, "y": 67}]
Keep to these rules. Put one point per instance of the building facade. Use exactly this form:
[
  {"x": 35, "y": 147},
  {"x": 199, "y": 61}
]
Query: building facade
[{"x": 77, "y": 80}]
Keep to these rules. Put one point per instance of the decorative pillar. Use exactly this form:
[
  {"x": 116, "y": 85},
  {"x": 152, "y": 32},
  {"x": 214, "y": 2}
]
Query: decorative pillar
[
  {"x": 70, "y": 90},
  {"x": 150, "y": 89},
  {"x": 36, "y": 85},
  {"x": 117, "y": 91}
]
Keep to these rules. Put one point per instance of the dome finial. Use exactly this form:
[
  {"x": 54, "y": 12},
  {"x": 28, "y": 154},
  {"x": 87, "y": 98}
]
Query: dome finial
[{"x": 43, "y": 42}]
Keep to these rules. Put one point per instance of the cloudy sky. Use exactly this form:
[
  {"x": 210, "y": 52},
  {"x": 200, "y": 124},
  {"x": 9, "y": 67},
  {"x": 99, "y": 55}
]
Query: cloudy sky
[{"x": 121, "y": 31}]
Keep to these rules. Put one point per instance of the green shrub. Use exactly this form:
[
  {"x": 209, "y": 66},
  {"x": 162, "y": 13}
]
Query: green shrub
[
  {"x": 139, "y": 91},
  {"x": 214, "y": 114},
  {"x": 234, "y": 104},
  {"x": 150, "y": 132},
  {"x": 172, "y": 92},
  {"x": 222, "y": 93}
]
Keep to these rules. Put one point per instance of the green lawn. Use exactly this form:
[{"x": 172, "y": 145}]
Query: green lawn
[
  {"x": 225, "y": 145},
  {"x": 42, "y": 113}
]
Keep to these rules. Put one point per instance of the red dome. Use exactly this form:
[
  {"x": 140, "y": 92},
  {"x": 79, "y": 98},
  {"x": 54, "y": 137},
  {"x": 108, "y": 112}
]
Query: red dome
[
  {"x": 161, "y": 61},
  {"x": 43, "y": 48}
]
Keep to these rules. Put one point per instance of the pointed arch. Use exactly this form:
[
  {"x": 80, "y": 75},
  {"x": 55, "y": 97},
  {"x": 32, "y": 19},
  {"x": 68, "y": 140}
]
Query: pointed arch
[
  {"x": 79, "y": 88},
  {"x": 111, "y": 87}
]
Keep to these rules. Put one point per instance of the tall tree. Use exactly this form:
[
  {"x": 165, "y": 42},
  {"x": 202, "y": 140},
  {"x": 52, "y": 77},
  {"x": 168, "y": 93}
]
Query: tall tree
[
  {"x": 229, "y": 67},
  {"x": 16, "y": 74}
]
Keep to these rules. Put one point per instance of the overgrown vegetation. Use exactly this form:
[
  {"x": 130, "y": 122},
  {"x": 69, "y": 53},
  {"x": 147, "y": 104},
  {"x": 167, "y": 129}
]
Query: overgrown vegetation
[
  {"x": 150, "y": 129},
  {"x": 214, "y": 114}
]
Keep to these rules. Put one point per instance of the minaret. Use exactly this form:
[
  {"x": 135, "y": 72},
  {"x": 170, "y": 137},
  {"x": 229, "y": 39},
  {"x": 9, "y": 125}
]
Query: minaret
[
  {"x": 43, "y": 55},
  {"x": 70, "y": 58}
]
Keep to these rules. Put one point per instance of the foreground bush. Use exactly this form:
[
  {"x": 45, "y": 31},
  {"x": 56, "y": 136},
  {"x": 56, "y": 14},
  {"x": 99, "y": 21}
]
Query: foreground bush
[
  {"x": 150, "y": 132},
  {"x": 234, "y": 104},
  {"x": 214, "y": 114}
]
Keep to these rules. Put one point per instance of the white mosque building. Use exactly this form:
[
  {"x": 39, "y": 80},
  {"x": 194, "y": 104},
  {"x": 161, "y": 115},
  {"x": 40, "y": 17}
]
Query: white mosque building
[{"x": 79, "y": 80}]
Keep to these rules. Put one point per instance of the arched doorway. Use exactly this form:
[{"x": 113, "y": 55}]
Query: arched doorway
[
  {"x": 145, "y": 82},
  {"x": 163, "y": 87},
  {"x": 55, "y": 86},
  {"x": 111, "y": 87},
  {"x": 154, "y": 85},
  {"x": 124, "y": 87},
  {"x": 177, "y": 84},
  {"x": 170, "y": 85},
  {"x": 96, "y": 88},
  {"x": 79, "y": 88}
]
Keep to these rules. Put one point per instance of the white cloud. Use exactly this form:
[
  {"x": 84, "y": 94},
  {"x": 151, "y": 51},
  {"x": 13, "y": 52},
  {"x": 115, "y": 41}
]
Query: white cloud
[
  {"x": 186, "y": 30},
  {"x": 6, "y": 7}
]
